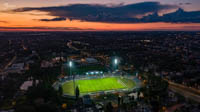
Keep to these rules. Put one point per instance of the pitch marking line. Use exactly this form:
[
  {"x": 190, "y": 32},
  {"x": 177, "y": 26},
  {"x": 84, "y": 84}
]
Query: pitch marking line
[{"x": 120, "y": 81}]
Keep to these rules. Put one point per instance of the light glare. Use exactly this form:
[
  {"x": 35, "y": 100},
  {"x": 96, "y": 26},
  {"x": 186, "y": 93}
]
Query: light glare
[
  {"x": 70, "y": 64},
  {"x": 116, "y": 61}
]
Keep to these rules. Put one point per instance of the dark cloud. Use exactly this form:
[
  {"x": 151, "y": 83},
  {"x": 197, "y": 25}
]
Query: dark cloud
[
  {"x": 54, "y": 19},
  {"x": 102, "y": 13},
  {"x": 187, "y": 3},
  {"x": 179, "y": 16},
  {"x": 148, "y": 12}
]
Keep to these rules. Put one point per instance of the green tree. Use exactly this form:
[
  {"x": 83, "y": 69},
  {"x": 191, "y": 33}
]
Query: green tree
[
  {"x": 60, "y": 90},
  {"x": 77, "y": 92}
]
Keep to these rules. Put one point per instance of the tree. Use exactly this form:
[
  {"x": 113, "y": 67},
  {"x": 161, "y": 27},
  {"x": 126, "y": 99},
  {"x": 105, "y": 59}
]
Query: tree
[
  {"x": 25, "y": 108},
  {"x": 109, "y": 107},
  {"x": 47, "y": 108},
  {"x": 77, "y": 92},
  {"x": 60, "y": 90},
  {"x": 156, "y": 91},
  {"x": 119, "y": 100}
]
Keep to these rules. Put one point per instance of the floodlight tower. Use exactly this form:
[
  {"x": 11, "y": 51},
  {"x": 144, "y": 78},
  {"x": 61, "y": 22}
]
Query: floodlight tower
[
  {"x": 70, "y": 69},
  {"x": 116, "y": 62}
]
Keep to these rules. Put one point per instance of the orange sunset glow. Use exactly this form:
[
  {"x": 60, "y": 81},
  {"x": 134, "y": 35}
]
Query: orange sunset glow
[{"x": 30, "y": 21}]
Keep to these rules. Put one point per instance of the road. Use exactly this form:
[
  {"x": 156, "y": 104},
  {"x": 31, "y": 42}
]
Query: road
[
  {"x": 173, "y": 108},
  {"x": 10, "y": 62},
  {"x": 187, "y": 92},
  {"x": 69, "y": 44}
]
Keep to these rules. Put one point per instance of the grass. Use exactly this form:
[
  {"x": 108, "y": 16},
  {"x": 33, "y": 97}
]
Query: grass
[{"x": 100, "y": 84}]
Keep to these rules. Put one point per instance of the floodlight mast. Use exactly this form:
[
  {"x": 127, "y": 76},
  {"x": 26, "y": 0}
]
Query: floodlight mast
[
  {"x": 70, "y": 69},
  {"x": 70, "y": 64},
  {"x": 116, "y": 62}
]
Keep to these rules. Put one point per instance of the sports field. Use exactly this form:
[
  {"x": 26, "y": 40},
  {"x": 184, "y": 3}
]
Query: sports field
[{"x": 96, "y": 85}]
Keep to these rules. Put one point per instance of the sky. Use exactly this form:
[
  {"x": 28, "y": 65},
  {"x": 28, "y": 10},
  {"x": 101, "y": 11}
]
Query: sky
[{"x": 99, "y": 15}]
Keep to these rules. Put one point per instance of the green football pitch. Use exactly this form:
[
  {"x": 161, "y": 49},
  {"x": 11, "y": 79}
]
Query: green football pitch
[{"x": 99, "y": 84}]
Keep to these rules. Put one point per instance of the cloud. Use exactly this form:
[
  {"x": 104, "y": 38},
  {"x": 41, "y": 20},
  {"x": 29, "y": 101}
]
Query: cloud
[
  {"x": 54, "y": 19},
  {"x": 187, "y": 3},
  {"x": 102, "y": 13},
  {"x": 179, "y": 16},
  {"x": 8, "y": 6},
  {"x": 132, "y": 13},
  {"x": 3, "y": 22},
  {"x": 192, "y": 27},
  {"x": 43, "y": 28}
]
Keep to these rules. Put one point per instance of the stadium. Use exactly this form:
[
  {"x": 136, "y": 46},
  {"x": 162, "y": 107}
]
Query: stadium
[
  {"x": 94, "y": 82},
  {"x": 98, "y": 84}
]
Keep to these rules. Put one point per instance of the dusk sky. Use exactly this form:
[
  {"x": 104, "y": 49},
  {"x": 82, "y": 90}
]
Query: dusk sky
[{"x": 95, "y": 15}]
